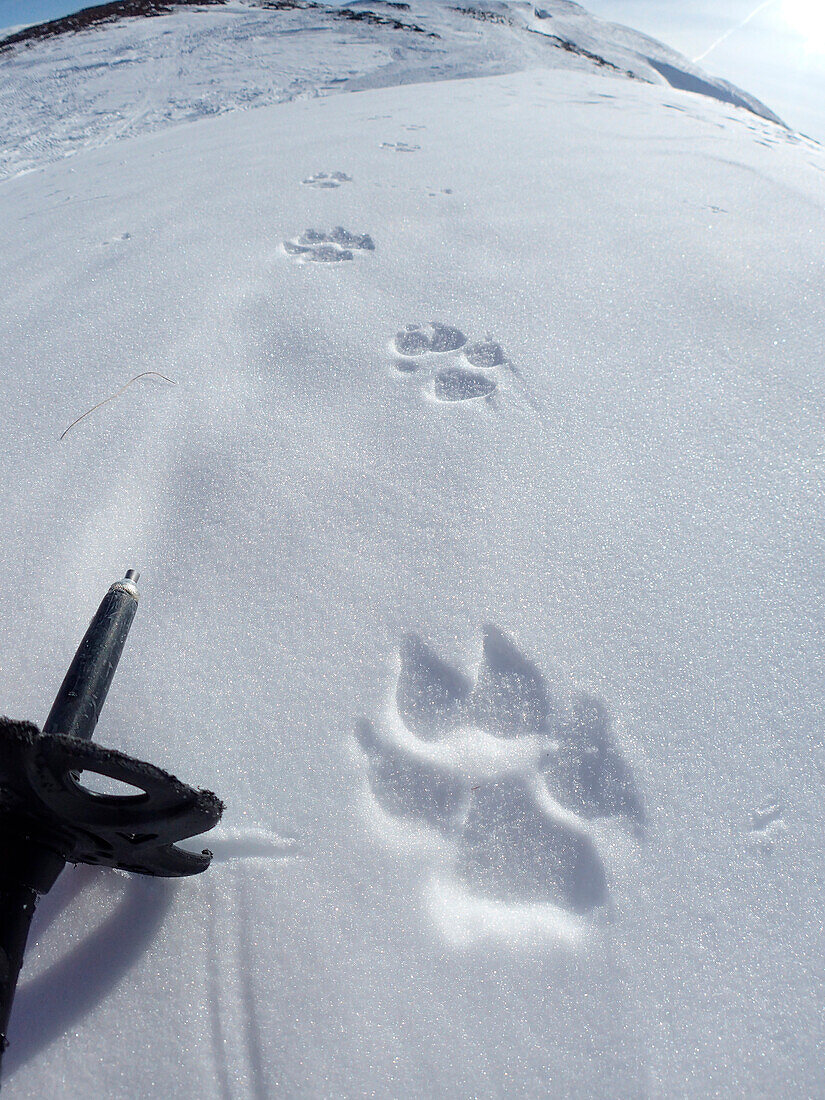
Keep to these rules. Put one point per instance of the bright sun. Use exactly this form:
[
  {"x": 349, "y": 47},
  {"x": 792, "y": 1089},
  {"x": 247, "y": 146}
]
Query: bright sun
[{"x": 807, "y": 19}]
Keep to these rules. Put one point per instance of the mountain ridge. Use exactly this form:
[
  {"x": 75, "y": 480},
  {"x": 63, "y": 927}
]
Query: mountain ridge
[{"x": 134, "y": 66}]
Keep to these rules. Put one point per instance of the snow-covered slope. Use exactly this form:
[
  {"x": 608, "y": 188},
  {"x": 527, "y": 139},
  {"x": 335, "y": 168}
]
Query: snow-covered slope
[
  {"x": 480, "y": 534},
  {"x": 125, "y": 74}
]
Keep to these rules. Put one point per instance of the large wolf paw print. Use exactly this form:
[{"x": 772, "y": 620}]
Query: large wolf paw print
[
  {"x": 510, "y": 779},
  {"x": 327, "y": 180},
  {"x": 315, "y": 245},
  {"x": 467, "y": 376}
]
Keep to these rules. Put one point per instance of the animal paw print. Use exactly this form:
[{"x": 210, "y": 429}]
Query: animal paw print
[
  {"x": 316, "y": 246},
  {"x": 584, "y": 771},
  {"x": 510, "y": 781},
  {"x": 327, "y": 180},
  {"x": 470, "y": 376}
]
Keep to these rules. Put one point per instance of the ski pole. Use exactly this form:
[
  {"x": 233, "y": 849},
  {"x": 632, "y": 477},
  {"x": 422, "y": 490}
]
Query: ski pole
[{"x": 49, "y": 818}]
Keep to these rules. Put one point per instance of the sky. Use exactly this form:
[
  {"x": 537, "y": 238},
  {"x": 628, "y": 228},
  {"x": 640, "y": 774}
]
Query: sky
[
  {"x": 774, "y": 49},
  {"x": 15, "y": 12}
]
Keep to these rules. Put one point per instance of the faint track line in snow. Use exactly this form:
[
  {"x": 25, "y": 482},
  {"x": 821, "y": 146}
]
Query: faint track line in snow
[
  {"x": 246, "y": 968},
  {"x": 238, "y": 1041},
  {"x": 214, "y": 993},
  {"x": 117, "y": 393},
  {"x": 237, "y": 1058}
]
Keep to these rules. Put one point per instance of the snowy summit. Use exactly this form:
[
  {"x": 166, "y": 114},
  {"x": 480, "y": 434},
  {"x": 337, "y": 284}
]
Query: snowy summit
[
  {"x": 133, "y": 66},
  {"x": 465, "y": 365}
]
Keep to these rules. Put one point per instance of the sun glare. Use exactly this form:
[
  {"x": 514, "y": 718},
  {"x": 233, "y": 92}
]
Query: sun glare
[{"x": 806, "y": 18}]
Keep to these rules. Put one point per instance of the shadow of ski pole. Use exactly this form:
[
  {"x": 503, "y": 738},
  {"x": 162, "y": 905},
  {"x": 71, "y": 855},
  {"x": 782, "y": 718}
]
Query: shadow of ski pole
[{"x": 48, "y": 1005}]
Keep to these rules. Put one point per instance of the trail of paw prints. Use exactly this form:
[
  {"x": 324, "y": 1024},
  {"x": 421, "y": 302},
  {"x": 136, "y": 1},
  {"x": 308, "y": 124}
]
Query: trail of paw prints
[
  {"x": 468, "y": 376},
  {"x": 508, "y": 780},
  {"x": 317, "y": 246},
  {"x": 327, "y": 180}
]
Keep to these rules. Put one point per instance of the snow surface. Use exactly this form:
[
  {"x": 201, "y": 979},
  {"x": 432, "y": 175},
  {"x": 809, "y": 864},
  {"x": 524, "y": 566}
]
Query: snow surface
[{"x": 481, "y": 577}]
